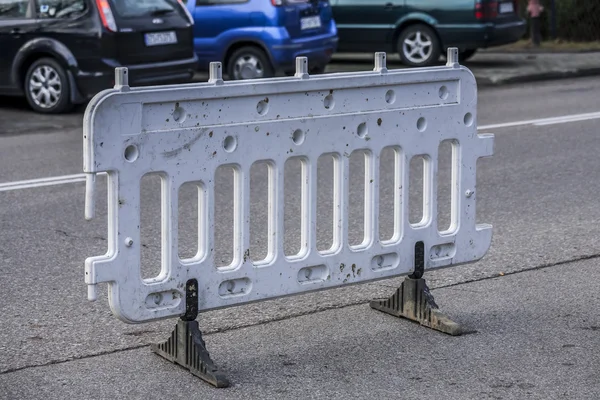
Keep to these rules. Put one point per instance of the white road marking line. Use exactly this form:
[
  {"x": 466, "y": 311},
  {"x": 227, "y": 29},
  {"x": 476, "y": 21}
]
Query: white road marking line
[
  {"x": 543, "y": 121},
  {"x": 582, "y": 117},
  {"x": 51, "y": 181},
  {"x": 65, "y": 179}
]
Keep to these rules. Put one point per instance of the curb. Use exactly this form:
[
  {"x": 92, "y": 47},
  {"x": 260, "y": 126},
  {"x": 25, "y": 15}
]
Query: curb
[
  {"x": 534, "y": 77},
  {"x": 540, "y": 51}
]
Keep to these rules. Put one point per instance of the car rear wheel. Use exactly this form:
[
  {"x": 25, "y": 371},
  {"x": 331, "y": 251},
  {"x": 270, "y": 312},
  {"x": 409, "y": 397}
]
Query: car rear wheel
[
  {"x": 47, "y": 87},
  {"x": 317, "y": 70},
  {"x": 249, "y": 63},
  {"x": 418, "y": 46},
  {"x": 466, "y": 54}
]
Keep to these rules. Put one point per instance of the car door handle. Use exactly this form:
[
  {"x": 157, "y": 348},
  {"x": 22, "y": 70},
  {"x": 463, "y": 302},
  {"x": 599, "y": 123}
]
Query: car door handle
[
  {"x": 15, "y": 31},
  {"x": 388, "y": 6}
]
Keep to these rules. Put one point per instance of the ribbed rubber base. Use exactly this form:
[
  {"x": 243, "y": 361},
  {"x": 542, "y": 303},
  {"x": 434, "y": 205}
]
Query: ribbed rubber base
[
  {"x": 187, "y": 348},
  {"x": 414, "y": 301}
]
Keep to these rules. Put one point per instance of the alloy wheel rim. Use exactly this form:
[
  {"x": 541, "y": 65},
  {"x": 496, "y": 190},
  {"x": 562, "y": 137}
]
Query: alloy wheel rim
[
  {"x": 45, "y": 86},
  {"x": 248, "y": 67},
  {"x": 417, "y": 47}
]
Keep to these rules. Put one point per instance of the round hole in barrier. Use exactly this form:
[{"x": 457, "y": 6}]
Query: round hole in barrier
[
  {"x": 443, "y": 93},
  {"x": 390, "y": 97},
  {"x": 328, "y": 102},
  {"x": 468, "y": 119},
  {"x": 298, "y": 136},
  {"x": 362, "y": 130},
  {"x": 229, "y": 144},
  {"x": 262, "y": 107},
  {"x": 131, "y": 153},
  {"x": 421, "y": 124},
  {"x": 179, "y": 114}
]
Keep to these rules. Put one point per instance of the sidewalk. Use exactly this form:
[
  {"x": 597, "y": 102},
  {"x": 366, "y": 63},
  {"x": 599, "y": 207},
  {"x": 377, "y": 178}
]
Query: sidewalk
[
  {"x": 537, "y": 337},
  {"x": 495, "y": 68}
]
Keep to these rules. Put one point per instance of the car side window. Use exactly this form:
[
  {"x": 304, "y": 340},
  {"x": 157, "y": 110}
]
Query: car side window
[
  {"x": 13, "y": 9},
  {"x": 55, "y": 9},
  {"x": 218, "y": 2}
]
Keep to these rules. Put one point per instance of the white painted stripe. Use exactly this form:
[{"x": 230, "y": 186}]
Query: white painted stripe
[
  {"x": 565, "y": 120},
  {"x": 544, "y": 121},
  {"x": 41, "y": 182},
  {"x": 65, "y": 179}
]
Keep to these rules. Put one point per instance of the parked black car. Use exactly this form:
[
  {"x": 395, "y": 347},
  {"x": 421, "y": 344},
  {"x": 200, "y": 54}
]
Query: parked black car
[{"x": 62, "y": 52}]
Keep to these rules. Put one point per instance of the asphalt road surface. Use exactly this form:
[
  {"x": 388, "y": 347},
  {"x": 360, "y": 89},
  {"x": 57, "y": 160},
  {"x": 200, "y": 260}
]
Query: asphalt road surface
[{"x": 539, "y": 191}]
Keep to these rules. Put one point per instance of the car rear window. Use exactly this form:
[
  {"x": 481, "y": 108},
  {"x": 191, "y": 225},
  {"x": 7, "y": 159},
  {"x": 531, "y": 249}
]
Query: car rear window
[
  {"x": 59, "y": 8},
  {"x": 14, "y": 9},
  {"x": 140, "y": 8}
]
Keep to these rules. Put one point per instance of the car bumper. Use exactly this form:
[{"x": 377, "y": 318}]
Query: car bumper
[
  {"x": 482, "y": 35},
  {"x": 318, "y": 52},
  {"x": 178, "y": 71},
  {"x": 504, "y": 34}
]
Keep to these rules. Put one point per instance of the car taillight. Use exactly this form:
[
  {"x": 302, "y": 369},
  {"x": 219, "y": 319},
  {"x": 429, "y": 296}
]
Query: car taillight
[
  {"x": 277, "y": 3},
  {"x": 486, "y": 10},
  {"x": 187, "y": 12},
  {"x": 478, "y": 10},
  {"x": 106, "y": 15}
]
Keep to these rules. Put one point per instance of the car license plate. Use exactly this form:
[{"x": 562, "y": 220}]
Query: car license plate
[
  {"x": 506, "y": 8},
  {"x": 310, "y": 22},
  {"x": 160, "y": 38}
]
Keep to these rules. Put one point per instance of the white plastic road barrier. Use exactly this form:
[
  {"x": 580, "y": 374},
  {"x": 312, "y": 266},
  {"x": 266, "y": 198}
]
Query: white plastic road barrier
[{"x": 186, "y": 132}]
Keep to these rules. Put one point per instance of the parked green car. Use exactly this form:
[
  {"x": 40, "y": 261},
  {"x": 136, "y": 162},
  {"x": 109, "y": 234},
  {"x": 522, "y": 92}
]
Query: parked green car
[{"x": 420, "y": 30}]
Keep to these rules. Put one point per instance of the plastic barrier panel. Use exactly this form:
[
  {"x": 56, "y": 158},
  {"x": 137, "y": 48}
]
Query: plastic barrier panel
[{"x": 185, "y": 132}]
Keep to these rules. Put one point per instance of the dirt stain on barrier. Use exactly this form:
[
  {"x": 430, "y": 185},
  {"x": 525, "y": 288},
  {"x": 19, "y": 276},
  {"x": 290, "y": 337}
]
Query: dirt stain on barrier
[{"x": 187, "y": 146}]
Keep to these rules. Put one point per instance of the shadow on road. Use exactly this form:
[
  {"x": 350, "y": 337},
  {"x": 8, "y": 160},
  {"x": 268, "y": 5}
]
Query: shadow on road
[
  {"x": 17, "y": 118},
  {"x": 15, "y": 103}
]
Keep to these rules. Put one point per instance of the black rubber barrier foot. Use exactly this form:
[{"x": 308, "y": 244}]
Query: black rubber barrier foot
[
  {"x": 414, "y": 301},
  {"x": 187, "y": 348}
]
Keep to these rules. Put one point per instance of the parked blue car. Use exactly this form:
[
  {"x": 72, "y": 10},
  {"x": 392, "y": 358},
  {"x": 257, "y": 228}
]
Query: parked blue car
[{"x": 259, "y": 38}]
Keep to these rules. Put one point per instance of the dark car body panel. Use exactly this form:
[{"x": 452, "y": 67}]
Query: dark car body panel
[
  {"x": 14, "y": 35},
  {"x": 89, "y": 52},
  {"x": 374, "y": 25}
]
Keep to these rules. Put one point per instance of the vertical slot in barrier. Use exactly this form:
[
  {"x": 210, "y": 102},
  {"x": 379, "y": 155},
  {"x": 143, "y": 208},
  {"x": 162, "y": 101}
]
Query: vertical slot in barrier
[
  {"x": 326, "y": 207},
  {"x": 295, "y": 188},
  {"x": 357, "y": 234},
  {"x": 416, "y": 193},
  {"x": 224, "y": 216},
  {"x": 190, "y": 206},
  {"x": 482, "y": 207},
  {"x": 390, "y": 189},
  {"x": 445, "y": 191},
  {"x": 261, "y": 219},
  {"x": 151, "y": 188}
]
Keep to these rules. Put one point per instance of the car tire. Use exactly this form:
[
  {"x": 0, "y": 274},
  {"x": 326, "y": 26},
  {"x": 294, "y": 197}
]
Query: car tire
[
  {"x": 317, "y": 70},
  {"x": 418, "y": 46},
  {"x": 249, "y": 62},
  {"x": 47, "y": 87},
  {"x": 466, "y": 54}
]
